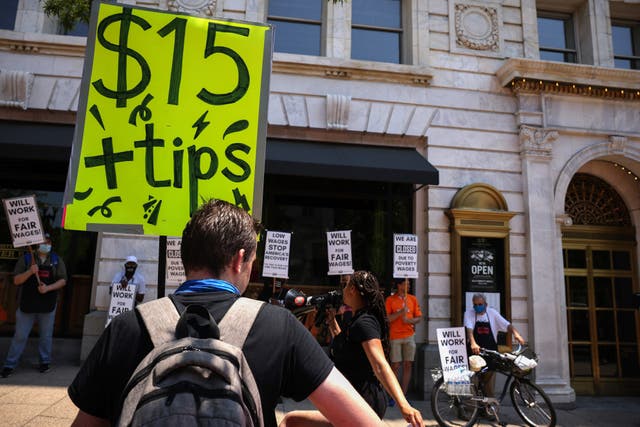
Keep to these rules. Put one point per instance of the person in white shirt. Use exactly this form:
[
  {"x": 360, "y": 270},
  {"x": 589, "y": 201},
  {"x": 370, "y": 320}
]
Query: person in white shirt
[
  {"x": 482, "y": 324},
  {"x": 129, "y": 275}
]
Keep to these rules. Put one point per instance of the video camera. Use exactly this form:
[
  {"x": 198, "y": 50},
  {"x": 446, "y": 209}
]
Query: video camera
[{"x": 299, "y": 303}]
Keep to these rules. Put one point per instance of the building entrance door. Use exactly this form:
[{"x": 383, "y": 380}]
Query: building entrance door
[
  {"x": 602, "y": 317},
  {"x": 601, "y": 285}
]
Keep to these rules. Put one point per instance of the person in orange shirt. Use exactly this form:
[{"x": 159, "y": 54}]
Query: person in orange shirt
[{"x": 403, "y": 312}]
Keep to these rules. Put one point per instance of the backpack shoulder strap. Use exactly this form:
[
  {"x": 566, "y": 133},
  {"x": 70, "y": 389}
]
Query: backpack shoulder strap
[
  {"x": 237, "y": 322},
  {"x": 160, "y": 317}
]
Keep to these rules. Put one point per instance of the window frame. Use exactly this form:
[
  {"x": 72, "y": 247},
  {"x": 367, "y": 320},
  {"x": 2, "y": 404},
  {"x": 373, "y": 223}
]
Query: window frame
[
  {"x": 570, "y": 51},
  {"x": 401, "y": 31},
  {"x": 322, "y": 22},
  {"x": 635, "y": 42}
]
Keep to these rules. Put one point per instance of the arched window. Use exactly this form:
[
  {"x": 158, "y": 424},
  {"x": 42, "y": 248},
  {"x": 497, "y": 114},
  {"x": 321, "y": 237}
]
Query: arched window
[{"x": 591, "y": 201}]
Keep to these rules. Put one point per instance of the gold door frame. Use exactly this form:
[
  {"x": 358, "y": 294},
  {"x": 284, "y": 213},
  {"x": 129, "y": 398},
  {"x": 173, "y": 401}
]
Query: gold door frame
[{"x": 477, "y": 210}]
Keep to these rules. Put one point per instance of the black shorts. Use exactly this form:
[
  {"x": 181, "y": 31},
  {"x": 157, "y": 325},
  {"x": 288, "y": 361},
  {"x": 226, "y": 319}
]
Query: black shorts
[{"x": 375, "y": 396}]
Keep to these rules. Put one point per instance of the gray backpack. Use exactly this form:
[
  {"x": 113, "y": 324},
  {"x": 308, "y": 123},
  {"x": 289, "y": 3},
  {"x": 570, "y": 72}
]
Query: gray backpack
[{"x": 187, "y": 381}]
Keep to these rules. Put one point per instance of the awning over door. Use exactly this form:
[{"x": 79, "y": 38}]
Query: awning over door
[{"x": 348, "y": 161}]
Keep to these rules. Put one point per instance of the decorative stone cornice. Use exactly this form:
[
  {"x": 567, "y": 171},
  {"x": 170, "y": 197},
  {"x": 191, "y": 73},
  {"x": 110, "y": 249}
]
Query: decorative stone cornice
[
  {"x": 52, "y": 44},
  {"x": 42, "y": 44},
  {"x": 347, "y": 69},
  {"x": 536, "y": 142},
  {"x": 532, "y": 76}
]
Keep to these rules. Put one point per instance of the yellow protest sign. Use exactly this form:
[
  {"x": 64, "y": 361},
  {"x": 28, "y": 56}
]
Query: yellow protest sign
[{"x": 172, "y": 113}]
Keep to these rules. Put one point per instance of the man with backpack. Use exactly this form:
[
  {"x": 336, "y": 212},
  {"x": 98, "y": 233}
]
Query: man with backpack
[
  {"x": 218, "y": 249},
  {"x": 39, "y": 278}
]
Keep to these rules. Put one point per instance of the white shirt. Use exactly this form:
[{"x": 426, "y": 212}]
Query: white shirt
[{"x": 496, "y": 321}]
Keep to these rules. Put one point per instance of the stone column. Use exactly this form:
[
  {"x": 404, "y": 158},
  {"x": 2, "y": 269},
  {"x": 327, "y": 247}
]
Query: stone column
[
  {"x": 547, "y": 305},
  {"x": 600, "y": 20},
  {"x": 338, "y": 30},
  {"x": 529, "y": 29}
]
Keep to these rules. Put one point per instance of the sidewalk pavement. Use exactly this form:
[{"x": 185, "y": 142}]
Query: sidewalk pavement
[{"x": 29, "y": 398}]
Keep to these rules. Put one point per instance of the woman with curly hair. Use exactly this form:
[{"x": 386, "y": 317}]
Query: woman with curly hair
[{"x": 360, "y": 353}]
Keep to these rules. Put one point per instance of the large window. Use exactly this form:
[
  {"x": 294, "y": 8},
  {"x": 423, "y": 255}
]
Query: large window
[
  {"x": 8, "y": 10},
  {"x": 376, "y": 30},
  {"x": 298, "y": 25},
  {"x": 310, "y": 207},
  {"x": 80, "y": 29},
  {"x": 556, "y": 37},
  {"x": 375, "y": 34},
  {"x": 626, "y": 45}
]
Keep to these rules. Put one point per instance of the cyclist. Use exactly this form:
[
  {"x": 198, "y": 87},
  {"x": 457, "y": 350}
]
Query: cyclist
[{"x": 482, "y": 324}]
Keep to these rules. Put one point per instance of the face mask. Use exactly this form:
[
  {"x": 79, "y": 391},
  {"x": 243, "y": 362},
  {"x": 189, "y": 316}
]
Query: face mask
[
  {"x": 479, "y": 308},
  {"x": 44, "y": 248},
  {"x": 130, "y": 270}
]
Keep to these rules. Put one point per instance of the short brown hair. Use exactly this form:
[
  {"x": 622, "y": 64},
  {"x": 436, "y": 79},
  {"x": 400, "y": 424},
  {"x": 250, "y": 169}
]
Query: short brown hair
[{"x": 215, "y": 233}]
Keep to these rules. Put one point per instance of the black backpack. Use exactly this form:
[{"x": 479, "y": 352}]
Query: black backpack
[{"x": 187, "y": 381}]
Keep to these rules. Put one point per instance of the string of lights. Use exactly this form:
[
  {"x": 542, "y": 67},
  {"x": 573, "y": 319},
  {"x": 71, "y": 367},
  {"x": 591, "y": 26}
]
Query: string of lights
[
  {"x": 627, "y": 171},
  {"x": 534, "y": 85}
]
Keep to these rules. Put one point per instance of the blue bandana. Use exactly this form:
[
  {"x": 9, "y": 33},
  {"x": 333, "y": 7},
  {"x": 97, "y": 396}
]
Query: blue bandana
[{"x": 206, "y": 285}]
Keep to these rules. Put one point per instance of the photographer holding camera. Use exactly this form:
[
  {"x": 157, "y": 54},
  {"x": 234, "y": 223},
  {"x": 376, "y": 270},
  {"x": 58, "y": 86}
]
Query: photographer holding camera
[
  {"x": 359, "y": 352},
  {"x": 312, "y": 311}
]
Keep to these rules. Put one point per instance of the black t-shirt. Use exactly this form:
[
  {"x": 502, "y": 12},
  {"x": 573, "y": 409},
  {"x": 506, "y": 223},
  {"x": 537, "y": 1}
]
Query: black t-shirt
[
  {"x": 283, "y": 356},
  {"x": 348, "y": 354},
  {"x": 50, "y": 270}
]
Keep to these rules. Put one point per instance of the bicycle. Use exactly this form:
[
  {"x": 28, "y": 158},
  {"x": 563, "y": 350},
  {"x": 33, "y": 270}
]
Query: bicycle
[{"x": 453, "y": 409}]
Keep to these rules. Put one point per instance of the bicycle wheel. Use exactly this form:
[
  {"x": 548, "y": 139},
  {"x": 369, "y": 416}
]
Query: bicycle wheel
[
  {"x": 532, "y": 404},
  {"x": 452, "y": 410}
]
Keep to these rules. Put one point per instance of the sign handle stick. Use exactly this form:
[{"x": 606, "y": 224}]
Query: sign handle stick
[
  {"x": 162, "y": 265},
  {"x": 273, "y": 286},
  {"x": 33, "y": 262}
]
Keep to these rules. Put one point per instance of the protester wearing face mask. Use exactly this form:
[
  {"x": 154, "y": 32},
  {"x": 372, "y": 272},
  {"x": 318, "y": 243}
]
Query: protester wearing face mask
[
  {"x": 38, "y": 277},
  {"x": 130, "y": 276},
  {"x": 482, "y": 324}
]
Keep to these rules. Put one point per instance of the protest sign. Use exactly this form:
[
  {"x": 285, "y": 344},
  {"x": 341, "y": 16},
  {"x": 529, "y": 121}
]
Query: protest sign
[
  {"x": 276, "y": 254},
  {"x": 339, "y": 252},
  {"x": 453, "y": 351},
  {"x": 175, "y": 269},
  {"x": 405, "y": 256},
  {"x": 24, "y": 221},
  {"x": 122, "y": 300},
  {"x": 172, "y": 112}
]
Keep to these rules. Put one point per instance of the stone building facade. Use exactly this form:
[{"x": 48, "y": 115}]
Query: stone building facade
[{"x": 531, "y": 143}]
